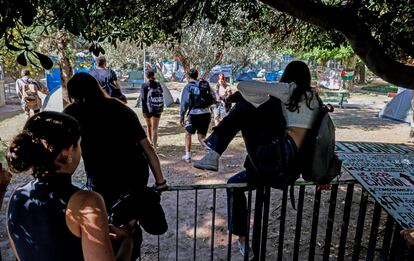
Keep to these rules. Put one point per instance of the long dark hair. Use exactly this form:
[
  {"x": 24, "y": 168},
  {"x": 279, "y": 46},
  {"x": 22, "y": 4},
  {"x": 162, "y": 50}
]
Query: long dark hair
[
  {"x": 42, "y": 139},
  {"x": 84, "y": 88},
  {"x": 298, "y": 72}
]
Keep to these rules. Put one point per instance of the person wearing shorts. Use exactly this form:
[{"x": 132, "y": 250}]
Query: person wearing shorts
[
  {"x": 151, "y": 118},
  {"x": 198, "y": 119}
]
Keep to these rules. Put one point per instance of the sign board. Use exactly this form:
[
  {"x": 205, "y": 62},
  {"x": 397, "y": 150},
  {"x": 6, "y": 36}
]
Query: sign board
[{"x": 386, "y": 171}]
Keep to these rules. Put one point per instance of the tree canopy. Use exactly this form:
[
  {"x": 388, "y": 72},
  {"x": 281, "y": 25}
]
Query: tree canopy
[{"x": 379, "y": 31}]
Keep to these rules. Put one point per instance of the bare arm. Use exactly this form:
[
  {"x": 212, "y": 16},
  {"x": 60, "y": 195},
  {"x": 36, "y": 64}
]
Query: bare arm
[
  {"x": 153, "y": 161},
  {"x": 5, "y": 178},
  {"x": 86, "y": 218},
  {"x": 117, "y": 84},
  {"x": 42, "y": 88}
]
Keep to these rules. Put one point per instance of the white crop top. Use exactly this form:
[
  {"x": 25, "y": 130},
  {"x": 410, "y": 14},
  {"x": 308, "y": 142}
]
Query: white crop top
[{"x": 258, "y": 93}]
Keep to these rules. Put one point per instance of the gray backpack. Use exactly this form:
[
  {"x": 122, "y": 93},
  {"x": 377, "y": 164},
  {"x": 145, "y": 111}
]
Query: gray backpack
[{"x": 322, "y": 165}]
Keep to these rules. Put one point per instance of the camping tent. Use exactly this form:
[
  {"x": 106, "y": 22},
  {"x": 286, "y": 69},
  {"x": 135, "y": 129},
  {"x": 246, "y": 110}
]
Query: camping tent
[{"x": 399, "y": 108}]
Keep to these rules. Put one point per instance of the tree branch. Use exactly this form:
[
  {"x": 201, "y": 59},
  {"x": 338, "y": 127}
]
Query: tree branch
[{"x": 357, "y": 33}]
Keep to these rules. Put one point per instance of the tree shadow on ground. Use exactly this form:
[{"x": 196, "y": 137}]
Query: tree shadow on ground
[{"x": 362, "y": 118}]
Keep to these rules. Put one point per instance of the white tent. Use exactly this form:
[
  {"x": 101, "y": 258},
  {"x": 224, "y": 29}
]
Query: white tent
[
  {"x": 53, "y": 101},
  {"x": 399, "y": 108}
]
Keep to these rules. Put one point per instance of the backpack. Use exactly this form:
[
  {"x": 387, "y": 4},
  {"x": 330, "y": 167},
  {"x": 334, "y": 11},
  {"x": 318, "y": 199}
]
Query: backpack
[
  {"x": 104, "y": 77},
  {"x": 200, "y": 95},
  {"x": 30, "y": 96},
  {"x": 322, "y": 165},
  {"x": 155, "y": 98}
]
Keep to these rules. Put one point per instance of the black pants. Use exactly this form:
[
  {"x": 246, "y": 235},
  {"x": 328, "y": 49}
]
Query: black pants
[{"x": 257, "y": 125}]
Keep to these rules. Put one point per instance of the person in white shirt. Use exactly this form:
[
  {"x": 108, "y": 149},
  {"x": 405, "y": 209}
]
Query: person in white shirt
[{"x": 299, "y": 105}]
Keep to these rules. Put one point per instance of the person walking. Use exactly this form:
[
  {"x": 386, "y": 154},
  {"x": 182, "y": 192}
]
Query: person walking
[
  {"x": 27, "y": 89},
  {"x": 152, "y": 100},
  {"x": 221, "y": 107},
  {"x": 107, "y": 79},
  {"x": 48, "y": 218},
  {"x": 196, "y": 100},
  {"x": 117, "y": 154}
]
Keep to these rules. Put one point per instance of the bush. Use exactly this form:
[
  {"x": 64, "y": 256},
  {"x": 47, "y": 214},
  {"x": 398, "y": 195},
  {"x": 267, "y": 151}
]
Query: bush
[{"x": 381, "y": 88}]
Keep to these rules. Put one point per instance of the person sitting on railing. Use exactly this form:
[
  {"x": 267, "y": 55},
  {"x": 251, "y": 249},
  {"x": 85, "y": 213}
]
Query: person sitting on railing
[
  {"x": 48, "y": 218},
  {"x": 300, "y": 107}
]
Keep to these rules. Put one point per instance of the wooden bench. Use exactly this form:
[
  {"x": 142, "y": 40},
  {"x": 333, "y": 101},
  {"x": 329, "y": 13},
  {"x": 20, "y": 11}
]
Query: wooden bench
[{"x": 334, "y": 96}]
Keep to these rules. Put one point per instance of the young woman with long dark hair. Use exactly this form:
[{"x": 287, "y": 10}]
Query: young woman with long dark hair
[
  {"x": 48, "y": 218},
  {"x": 299, "y": 106}
]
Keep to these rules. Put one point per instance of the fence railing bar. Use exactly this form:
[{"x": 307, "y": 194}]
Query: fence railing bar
[
  {"x": 249, "y": 212},
  {"x": 158, "y": 246},
  {"x": 266, "y": 207},
  {"x": 329, "y": 225},
  {"x": 230, "y": 209},
  {"x": 360, "y": 225},
  {"x": 397, "y": 245},
  {"x": 282, "y": 224},
  {"x": 176, "y": 227},
  {"x": 345, "y": 221},
  {"x": 213, "y": 224},
  {"x": 298, "y": 223},
  {"x": 376, "y": 217},
  {"x": 195, "y": 224},
  {"x": 257, "y": 222},
  {"x": 389, "y": 224},
  {"x": 315, "y": 221},
  {"x": 245, "y": 185}
]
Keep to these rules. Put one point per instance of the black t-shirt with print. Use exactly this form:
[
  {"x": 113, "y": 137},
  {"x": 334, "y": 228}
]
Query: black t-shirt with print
[{"x": 112, "y": 154}]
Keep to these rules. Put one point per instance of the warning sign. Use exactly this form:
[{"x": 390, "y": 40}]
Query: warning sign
[{"x": 386, "y": 171}]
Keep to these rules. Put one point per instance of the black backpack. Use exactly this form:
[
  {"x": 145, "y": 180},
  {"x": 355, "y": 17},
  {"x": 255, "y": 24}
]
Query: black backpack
[
  {"x": 321, "y": 164},
  {"x": 155, "y": 98},
  {"x": 200, "y": 95}
]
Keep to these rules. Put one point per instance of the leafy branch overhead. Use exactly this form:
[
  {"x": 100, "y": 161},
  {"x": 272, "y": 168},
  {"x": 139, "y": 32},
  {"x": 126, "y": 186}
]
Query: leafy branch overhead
[{"x": 380, "y": 32}]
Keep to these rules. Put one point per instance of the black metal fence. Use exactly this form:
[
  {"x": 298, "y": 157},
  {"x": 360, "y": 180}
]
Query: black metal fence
[{"x": 343, "y": 223}]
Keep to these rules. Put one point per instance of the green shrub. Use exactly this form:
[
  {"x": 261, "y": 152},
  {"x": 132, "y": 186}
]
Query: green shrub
[{"x": 381, "y": 88}]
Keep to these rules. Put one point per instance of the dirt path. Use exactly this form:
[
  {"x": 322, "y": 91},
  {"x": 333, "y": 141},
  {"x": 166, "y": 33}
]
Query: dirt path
[{"x": 353, "y": 124}]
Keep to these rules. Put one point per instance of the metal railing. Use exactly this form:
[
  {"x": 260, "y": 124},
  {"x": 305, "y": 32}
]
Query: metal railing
[{"x": 343, "y": 224}]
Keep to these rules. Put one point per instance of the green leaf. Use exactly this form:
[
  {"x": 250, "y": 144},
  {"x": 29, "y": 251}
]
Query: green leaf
[
  {"x": 12, "y": 47},
  {"x": 102, "y": 49},
  {"x": 91, "y": 48},
  {"x": 96, "y": 52},
  {"x": 21, "y": 59},
  {"x": 27, "y": 15},
  {"x": 45, "y": 61}
]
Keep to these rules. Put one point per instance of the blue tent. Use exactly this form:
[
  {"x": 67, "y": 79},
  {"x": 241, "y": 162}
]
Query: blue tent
[{"x": 246, "y": 76}]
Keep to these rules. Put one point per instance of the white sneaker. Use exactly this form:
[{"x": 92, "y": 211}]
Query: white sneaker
[{"x": 186, "y": 159}]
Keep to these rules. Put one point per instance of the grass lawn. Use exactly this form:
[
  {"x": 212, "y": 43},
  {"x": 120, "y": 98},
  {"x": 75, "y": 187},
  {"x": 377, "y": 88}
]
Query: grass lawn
[{"x": 382, "y": 88}]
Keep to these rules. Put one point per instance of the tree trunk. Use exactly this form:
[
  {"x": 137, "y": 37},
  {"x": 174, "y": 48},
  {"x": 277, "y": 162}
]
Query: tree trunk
[
  {"x": 361, "y": 73},
  {"x": 65, "y": 66},
  {"x": 217, "y": 60},
  {"x": 346, "y": 21}
]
